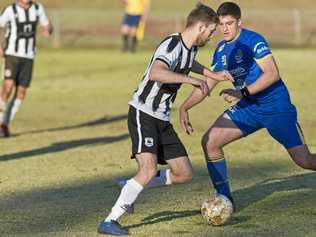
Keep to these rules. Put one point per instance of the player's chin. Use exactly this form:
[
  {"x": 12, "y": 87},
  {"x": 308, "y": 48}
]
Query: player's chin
[{"x": 202, "y": 44}]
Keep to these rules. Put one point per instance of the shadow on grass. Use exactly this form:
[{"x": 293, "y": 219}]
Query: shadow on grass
[
  {"x": 75, "y": 205},
  {"x": 63, "y": 146},
  {"x": 102, "y": 121},
  {"x": 260, "y": 191},
  {"x": 165, "y": 216}
]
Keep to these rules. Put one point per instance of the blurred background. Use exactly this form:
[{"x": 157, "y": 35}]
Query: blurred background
[{"x": 95, "y": 23}]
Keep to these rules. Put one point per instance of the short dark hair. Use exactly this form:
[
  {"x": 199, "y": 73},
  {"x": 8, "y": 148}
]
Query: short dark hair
[
  {"x": 201, "y": 13},
  {"x": 229, "y": 8}
]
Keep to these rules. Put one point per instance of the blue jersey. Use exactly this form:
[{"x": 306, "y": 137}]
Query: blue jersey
[{"x": 240, "y": 57}]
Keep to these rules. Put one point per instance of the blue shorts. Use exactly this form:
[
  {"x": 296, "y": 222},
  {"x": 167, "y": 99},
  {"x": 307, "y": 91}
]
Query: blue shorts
[
  {"x": 282, "y": 126},
  {"x": 131, "y": 20}
]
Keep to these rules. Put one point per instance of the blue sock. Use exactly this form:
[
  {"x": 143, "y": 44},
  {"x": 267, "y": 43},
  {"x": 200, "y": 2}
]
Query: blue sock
[
  {"x": 162, "y": 178},
  {"x": 218, "y": 173}
]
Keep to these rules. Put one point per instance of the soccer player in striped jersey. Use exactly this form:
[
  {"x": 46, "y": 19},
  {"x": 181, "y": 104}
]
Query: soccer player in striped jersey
[
  {"x": 263, "y": 99},
  {"x": 153, "y": 138},
  {"x": 20, "y": 20}
]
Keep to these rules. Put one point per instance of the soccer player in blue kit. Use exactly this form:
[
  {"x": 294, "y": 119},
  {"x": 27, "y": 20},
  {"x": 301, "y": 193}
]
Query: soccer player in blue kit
[{"x": 263, "y": 99}]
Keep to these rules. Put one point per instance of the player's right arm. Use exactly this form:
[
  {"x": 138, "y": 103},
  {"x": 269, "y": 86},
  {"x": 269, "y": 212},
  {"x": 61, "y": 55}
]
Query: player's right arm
[
  {"x": 161, "y": 72},
  {"x": 4, "y": 19}
]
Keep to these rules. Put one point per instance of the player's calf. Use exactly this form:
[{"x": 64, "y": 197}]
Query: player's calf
[
  {"x": 183, "y": 177},
  {"x": 303, "y": 157}
]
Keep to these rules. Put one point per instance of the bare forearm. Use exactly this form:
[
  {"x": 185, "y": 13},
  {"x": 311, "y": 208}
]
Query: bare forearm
[
  {"x": 269, "y": 76},
  {"x": 197, "y": 96},
  {"x": 265, "y": 81}
]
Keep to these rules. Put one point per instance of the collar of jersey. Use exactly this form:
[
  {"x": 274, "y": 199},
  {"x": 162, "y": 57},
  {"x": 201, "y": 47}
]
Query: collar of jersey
[
  {"x": 31, "y": 4},
  {"x": 237, "y": 36},
  {"x": 184, "y": 43}
]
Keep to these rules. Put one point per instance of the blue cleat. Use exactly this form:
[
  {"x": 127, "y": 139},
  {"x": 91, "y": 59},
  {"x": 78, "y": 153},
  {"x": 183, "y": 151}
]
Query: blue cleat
[{"x": 111, "y": 228}]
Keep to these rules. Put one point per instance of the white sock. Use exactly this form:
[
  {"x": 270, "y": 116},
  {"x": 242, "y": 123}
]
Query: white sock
[
  {"x": 168, "y": 178},
  {"x": 16, "y": 106},
  {"x": 3, "y": 107},
  {"x": 128, "y": 195}
]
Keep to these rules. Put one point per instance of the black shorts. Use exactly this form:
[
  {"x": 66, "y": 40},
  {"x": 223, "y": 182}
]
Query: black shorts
[
  {"x": 18, "y": 69},
  {"x": 155, "y": 136}
]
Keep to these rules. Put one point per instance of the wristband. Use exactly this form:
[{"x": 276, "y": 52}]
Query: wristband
[{"x": 245, "y": 92}]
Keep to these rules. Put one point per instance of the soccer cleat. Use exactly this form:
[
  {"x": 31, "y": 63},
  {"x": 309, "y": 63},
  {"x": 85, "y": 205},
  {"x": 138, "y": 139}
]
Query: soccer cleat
[
  {"x": 234, "y": 204},
  {"x": 111, "y": 228},
  {"x": 5, "y": 130},
  {"x": 121, "y": 183}
]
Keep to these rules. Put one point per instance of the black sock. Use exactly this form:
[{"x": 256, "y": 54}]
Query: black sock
[
  {"x": 134, "y": 43},
  {"x": 125, "y": 43}
]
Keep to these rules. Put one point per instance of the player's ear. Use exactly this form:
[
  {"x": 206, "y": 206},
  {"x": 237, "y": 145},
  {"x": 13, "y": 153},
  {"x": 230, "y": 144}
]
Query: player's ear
[
  {"x": 202, "y": 27},
  {"x": 239, "y": 22}
]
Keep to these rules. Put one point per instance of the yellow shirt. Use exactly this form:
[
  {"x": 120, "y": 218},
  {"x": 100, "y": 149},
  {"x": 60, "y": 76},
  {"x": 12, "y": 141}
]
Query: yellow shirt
[{"x": 136, "y": 7}]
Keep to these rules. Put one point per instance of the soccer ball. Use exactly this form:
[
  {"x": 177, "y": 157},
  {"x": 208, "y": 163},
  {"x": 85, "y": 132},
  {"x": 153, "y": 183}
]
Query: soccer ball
[{"x": 217, "y": 210}]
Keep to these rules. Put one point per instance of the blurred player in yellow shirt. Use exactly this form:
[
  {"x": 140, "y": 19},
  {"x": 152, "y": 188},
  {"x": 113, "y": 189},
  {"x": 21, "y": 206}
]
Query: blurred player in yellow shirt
[{"x": 133, "y": 25}]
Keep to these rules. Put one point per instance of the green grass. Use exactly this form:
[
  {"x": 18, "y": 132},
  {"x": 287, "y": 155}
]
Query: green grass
[{"x": 70, "y": 140}]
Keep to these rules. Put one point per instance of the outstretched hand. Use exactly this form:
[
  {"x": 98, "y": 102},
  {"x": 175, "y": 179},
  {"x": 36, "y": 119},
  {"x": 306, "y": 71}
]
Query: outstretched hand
[{"x": 223, "y": 76}]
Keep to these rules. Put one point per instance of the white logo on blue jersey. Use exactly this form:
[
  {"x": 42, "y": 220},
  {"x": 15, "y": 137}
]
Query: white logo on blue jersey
[
  {"x": 260, "y": 47},
  {"x": 238, "y": 56}
]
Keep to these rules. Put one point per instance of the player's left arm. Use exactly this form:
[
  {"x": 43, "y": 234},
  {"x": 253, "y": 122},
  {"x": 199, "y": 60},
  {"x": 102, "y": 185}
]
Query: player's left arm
[
  {"x": 47, "y": 27},
  {"x": 217, "y": 76},
  {"x": 270, "y": 72},
  {"x": 269, "y": 76}
]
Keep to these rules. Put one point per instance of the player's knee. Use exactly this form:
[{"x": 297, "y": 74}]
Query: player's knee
[
  {"x": 205, "y": 140},
  {"x": 209, "y": 146},
  {"x": 21, "y": 94},
  {"x": 7, "y": 91}
]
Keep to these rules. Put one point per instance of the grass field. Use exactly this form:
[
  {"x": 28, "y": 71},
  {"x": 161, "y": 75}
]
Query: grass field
[{"x": 70, "y": 141}]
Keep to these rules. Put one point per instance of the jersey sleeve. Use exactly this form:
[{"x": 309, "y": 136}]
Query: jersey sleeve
[
  {"x": 260, "y": 47},
  {"x": 168, "y": 53},
  {"x": 216, "y": 65},
  {"x": 4, "y": 17},
  {"x": 43, "y": 19}
]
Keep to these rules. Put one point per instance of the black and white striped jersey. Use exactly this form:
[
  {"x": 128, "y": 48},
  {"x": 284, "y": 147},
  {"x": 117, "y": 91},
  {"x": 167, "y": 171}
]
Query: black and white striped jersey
[
  {"x": 21, "y": 27},
  {"x": 156, "y": 98}
]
